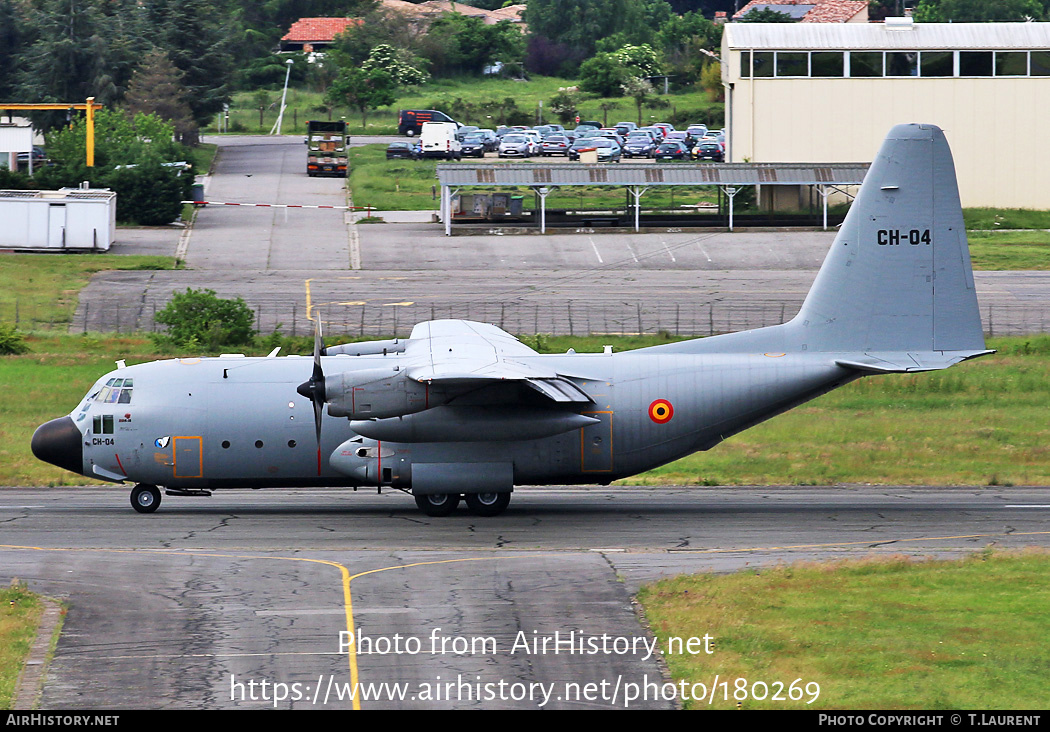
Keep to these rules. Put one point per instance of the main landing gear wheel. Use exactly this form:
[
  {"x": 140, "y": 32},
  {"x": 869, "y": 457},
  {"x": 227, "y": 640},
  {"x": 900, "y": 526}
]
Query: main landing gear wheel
[
  {"x": 145, "y": 498},
  {"x": 487, "y": 504},
  {"x": 437, "y": 504}
]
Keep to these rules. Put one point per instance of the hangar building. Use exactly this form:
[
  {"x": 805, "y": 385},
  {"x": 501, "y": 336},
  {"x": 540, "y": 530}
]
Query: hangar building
[{"x": 829, "y": 92}]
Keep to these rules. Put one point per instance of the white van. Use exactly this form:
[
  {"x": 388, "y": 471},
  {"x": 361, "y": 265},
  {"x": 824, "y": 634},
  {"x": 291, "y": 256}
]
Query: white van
[{"x": 438, "y": 140}]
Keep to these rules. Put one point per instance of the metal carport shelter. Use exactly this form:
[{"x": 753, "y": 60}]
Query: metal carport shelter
[{"x": 637, "y": 178}]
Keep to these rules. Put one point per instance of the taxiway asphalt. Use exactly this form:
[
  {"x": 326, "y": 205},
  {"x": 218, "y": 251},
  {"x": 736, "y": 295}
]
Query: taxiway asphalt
[{"x": 175, "y": 609}]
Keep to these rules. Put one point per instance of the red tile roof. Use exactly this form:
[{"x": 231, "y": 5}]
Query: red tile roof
[
  {"x": 314, "y": 30},
  {"x": 826, "y": 11}
]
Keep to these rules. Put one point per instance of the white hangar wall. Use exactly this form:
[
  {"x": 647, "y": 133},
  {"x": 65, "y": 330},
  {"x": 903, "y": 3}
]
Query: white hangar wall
[{"x": 986, "y": 84}]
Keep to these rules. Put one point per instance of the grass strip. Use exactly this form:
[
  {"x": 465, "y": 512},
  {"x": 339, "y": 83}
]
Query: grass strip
[
  {"x": 877, "y": 633},
  {"x": 20, "y": 613},
  {"x": 41, "y": 290}
]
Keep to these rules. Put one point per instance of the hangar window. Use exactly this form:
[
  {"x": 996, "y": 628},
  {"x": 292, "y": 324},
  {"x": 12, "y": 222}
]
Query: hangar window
[
  {"x": 937, "y": 63},
  {"x": 826, "y": 64},
  {"x": 1011, "y": 63},
  {"x": 865, "y": 63},
  {"x": 762, "y": 64},
  {"x": 975, "y": 63},
  {"x": 1040, "y": 63},
  {"x": 792, "y": 64},
  {"x": 902, "y": 63}
]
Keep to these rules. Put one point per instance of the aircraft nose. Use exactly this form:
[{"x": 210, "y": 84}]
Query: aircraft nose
[{"x": 59, "y": 442}]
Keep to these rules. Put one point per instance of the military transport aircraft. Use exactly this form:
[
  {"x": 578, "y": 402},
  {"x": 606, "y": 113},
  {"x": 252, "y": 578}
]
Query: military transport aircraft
[{"x": 463, "y": 410}]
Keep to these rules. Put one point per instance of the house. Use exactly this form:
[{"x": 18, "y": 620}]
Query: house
[
  {"x": 812, "y": 11},
  {"x": 314, "y": 34}
]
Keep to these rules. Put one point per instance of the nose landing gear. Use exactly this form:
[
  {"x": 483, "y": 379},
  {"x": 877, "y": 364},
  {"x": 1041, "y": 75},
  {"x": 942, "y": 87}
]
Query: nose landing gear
[{"x": 145, "y": 498}]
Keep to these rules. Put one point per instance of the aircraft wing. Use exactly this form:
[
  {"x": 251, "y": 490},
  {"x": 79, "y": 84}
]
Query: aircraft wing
[{"x": 462, "y": 353}]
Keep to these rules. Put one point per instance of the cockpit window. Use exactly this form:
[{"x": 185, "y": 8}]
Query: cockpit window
[{"x": 116, "y": 391}]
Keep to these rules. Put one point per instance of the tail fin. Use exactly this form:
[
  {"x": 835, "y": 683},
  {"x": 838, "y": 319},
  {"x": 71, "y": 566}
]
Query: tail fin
[
  {"x": 898, "y": 276},
  {"x": 897, "y": 281}
]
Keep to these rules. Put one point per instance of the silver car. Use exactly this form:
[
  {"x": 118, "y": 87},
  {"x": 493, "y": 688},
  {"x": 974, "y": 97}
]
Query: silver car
[{"x": 515, "y": 146}]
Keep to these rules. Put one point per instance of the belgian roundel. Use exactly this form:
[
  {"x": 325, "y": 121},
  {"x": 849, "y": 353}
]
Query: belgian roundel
[{"x": 661, "y": 411}]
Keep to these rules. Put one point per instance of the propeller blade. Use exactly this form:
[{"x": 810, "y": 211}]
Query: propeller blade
[{"x": 313, "y": 389}]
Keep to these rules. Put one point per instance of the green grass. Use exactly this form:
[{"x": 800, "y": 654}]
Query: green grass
[
  {"x": 1006, "y": 218},
  {"x": 41, "y": 290},
  {"x": 20, "y": 612},
  {"x": 470, "y": 100},
  {"x": 888, "y": 633},
  {"x": 1011, "y": 250}
]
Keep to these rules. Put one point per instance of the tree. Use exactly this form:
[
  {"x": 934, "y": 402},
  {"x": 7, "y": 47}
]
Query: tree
[
  {"x": 564, "y": 104},
  {"x": 765, "y": 15},
  {"x": 385, "y": 57},
  {"x": 197, "y": 318},
  {"x": 72, "y": 57},
  {"x": 640, "y": 90},
  {"x": 14, "y": 40},
  {"x": 603, "y": 74},
  {"x": 639, "y": 60},
  {"x": 363, "y": 90},
  {"x": 195, "y": 35},
  {"x": 156, "y": 87},
  {"x": 977, "y": 11},
  {"x": 456, "y": 43}
]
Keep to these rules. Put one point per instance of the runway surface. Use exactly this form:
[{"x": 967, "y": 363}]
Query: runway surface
[{"x": 185, "y": 607}]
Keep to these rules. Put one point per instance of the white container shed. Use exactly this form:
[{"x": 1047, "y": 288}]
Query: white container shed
[{"x": 73, "y": 219}]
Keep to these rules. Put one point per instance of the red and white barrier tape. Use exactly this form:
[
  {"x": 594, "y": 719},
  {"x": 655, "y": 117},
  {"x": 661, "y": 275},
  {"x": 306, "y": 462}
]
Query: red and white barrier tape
[{"x": 273, "y": 205}]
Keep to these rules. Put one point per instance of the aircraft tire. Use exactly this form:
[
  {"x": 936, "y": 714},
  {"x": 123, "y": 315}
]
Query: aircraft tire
[
  {"x": 437, "y": 504},
  {"x": 145, "y": 498},
  {"x": 487, "y": 504}
]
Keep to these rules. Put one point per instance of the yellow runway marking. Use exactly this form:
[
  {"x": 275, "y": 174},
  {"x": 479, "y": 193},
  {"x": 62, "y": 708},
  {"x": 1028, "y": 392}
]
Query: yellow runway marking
[{"x": 347, "y": 578}]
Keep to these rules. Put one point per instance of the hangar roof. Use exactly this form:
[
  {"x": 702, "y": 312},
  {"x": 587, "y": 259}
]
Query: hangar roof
[
  {"x": 911, "y": 37},
  {"x": 649, "y": 174}
]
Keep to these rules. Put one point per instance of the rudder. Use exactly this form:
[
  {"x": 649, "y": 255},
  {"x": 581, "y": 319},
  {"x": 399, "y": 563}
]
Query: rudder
[{"x": 898, "y": 276}]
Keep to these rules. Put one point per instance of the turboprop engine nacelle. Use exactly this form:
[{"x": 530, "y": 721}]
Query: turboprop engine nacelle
[{"x": 377, "y": 394}]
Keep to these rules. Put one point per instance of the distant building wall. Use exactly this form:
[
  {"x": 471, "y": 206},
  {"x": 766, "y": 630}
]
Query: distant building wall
[{"x": 987, "y": 85}]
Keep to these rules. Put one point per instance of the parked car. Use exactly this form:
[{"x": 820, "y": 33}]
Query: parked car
[
  {"x": 489, "y": 138},
  {"x": 639, "y": 145},
  {"x": 515, "y": 145},
  {"x": 405, "y": 150},
  {"x": 536, "y": 141},
  {"x": 697, "y": 130},
  {"x": 710, "y": 149},
  {"x": 556, "y": 145},
  {"x": 473, "y": 146},
  {"x": 667, "y": 127},
  {"x": 625, "y": 128},
  {"x": 607, "y": 150},
  {"x": 672, "y": 150},
  {"x": 410, "y": 121},
  {"x": 465, "y": 130},
  {"x": 439, "y": 140},
  {"x": 39, "y": 158}
]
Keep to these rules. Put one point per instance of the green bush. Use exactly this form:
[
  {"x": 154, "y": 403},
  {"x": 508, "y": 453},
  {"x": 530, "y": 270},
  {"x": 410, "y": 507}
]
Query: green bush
[
  {"x": 12, "y": 341},
  {"x": 149, "y": 194},
  {"x": 201, "y": 319}
]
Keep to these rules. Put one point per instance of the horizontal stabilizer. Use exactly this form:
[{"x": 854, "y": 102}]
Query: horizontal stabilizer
[{"x": 900, "y": 363}]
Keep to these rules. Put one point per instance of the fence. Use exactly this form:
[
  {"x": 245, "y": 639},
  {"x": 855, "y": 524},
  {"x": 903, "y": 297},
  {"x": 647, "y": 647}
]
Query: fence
[{"x": 573, "y": 317}]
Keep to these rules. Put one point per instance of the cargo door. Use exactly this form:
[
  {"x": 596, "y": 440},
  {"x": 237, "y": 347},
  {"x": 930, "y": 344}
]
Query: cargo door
[{"x": 596, "y": 448}]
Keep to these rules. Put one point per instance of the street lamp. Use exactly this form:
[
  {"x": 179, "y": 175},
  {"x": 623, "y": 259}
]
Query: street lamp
[{"x": 276, "y": 130}]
